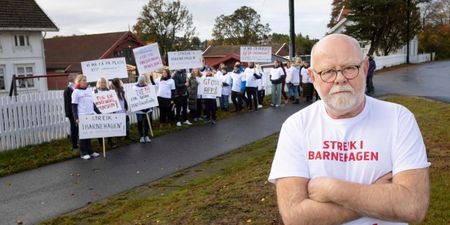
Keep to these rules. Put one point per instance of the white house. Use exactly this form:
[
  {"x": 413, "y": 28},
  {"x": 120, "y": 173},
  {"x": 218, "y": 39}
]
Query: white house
[{"x": 22, "y": 24}]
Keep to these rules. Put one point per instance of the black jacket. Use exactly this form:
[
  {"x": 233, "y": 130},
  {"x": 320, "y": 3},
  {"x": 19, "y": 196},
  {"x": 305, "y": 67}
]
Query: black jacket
[
  {"x": 180, "y": 83},
  {"x": 68, "y": 102}
]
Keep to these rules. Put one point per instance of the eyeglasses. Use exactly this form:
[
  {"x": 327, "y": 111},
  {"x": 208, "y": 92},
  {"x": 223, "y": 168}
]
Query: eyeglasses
[{"x": 330, "y": 75}]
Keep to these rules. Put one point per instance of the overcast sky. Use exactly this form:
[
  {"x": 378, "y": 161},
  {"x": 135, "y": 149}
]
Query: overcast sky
[{"x": 101, "y": 16}]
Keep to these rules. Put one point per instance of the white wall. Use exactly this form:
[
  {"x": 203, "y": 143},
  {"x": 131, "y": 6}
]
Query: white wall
[{"x": 12, "y": 56}]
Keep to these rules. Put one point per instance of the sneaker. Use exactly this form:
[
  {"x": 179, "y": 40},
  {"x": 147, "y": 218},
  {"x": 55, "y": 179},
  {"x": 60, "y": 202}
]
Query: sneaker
[
  {"x": 260, "y": 106},
  {"x": 187, "y": 122},
  {"x": 86, "y": 157},
  {"x": 142, "y": 140},
  {"x": 95, "y": 155},
  {"x": 147, "y": 139},
  {"x": 178, "y": 124},
  {"x": 276, "y": 106}
]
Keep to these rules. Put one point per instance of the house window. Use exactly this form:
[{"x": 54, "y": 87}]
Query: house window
[
  {"x": 2, "y": 78},
  {"x": 25, "y": 71},
  {"x": 22, "y": 40}
]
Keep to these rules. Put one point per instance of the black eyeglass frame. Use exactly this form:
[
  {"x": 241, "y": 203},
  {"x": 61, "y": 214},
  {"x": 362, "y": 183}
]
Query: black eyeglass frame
[{"x": 358, "y": 66}]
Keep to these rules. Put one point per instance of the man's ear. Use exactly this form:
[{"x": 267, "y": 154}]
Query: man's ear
[
  {"x": 365, "y": 66},
  {"x": 311, "y": 74}
]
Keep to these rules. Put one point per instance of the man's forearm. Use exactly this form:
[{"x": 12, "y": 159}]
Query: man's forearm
[
  {"x": 392, "y": 201},
  {"x": 317, "y": 213}
]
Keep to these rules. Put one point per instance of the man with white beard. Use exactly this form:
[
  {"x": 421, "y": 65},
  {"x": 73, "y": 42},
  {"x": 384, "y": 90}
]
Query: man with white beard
[{"x": 349, "y": 158}]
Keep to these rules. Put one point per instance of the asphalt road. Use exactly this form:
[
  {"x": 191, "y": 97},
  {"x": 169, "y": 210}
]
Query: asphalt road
[{"x": 42, "y": 193}]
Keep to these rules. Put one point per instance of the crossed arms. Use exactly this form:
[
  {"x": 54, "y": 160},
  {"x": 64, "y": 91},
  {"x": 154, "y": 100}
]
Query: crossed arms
[{"x": 326, "y": 200}]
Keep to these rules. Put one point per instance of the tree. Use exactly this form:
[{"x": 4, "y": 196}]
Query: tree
[
  {"x": 242, "y": 27},
  {"x": 303, "y": 45},
  {"x": 168, "y": 23},
  {"x": 435, "y": 36},
  {"x": 383, "y": 23}
]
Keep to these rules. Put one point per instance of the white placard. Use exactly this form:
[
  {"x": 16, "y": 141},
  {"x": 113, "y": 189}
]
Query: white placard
[
  {"x": 107, "y": 68},
  {"x": 102, "y": 125},
  {"x": 256, "y": 54},
  {"x": 143, "y": 98},
  {"x": 210, "y": 87},
  {"x": 148, "y": 58},
  {"x": 185, "y": 60},
  {"x": 107, "y": 101}
]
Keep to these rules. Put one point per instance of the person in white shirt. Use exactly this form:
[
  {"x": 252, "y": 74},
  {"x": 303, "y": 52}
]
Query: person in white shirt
[
  {"x": 143, "y": 126},
  {"x": 350, "y": 158},
  {"x": 102, "y": 85},
  {"x": 293, "y": 80},
  {"x": 225, "y": 78},
  {"x": 307, "y": 85},
  {"x": 236, "y": 82},
  {"x": 261, "y": 85},
  {"x": 251, "y": 88},
  {"x": 83, "y": 104},
  {"x": 277, "y": 76},
  {"x": 166, "y": 92},
  {"x": 117, "y": 85}
]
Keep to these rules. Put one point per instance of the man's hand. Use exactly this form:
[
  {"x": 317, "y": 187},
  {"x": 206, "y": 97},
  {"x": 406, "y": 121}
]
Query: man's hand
[{"x": 319, "y": 188}]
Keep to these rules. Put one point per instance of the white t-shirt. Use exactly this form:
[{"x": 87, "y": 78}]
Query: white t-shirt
[
  {"x": 226, "y": 90},
  {"x": 85, "y": 101},
  {"x": 251, "y": 81},
  {"x": 237, "y": 80},
  {"x": 294, "y": 75},
  {"x": 276, "y": 73},
  {"x": 384, "y": 137},
  {"x": 305, "y": 76},
  {"x": 165, "y": 87},
  {"x": 262, "y": 82}
]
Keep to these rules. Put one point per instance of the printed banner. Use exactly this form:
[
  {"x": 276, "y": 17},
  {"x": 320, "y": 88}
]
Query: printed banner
[
  {"x": 185, "y": 60},
  {"x": 148, "y": 58},
  {"x": 256, "y": 54},
  {"x": 210, "y": 87},
  {"x": 102, "y": 125},
  {"x": 107, "y": 101},
  {"x": 143, "y": 98},
  {"x": 107, "y": 68}
]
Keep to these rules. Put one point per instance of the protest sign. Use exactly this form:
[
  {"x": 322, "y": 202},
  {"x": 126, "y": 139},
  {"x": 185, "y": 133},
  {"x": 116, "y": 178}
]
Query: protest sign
[
  {"x": 102, "y": 125},
  {"x": 107, "y": 68},
  {"x": 256, "y": 54},
  {"x": 143, "y": 98},
  {"x": 210, "y": 87},
  {"x": 148, "y": 58},
  {"x": 185, "y": 60},
  {"x": 107, "y": 101}
]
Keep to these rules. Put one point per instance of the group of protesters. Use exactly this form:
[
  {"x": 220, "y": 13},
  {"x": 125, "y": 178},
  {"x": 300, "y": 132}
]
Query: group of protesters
[{"x": 178, "y": 96}]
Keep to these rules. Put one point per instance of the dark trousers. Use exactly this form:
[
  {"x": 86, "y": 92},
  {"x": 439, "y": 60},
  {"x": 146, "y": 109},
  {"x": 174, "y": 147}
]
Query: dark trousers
[
  {"x": 211, "y": 108},
  {"x": 181, "y": 102},
  {"x": 236, "y": 97},
  {"x": 85, "y": 147},
  {"x": 164, "y": 109},
  {"x": 110, "y": 142},
  {"x": 261, "y": 95},
  {"x": 246, "y": 98},
  {"x": 252, "y": 97},
  {"x": 143, "y": 124},
  {"x": 197, "y": 112},
  {"x": 73, "y": 132},
  {"x": 283, "y": 91},
  {"x": 369, "y": 85}
]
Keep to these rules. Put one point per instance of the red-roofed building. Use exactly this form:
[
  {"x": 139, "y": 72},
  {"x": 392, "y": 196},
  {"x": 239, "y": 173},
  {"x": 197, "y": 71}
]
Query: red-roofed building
[
  {"x": 229, "y": 54},
  {"x": 65, "y": 54}
]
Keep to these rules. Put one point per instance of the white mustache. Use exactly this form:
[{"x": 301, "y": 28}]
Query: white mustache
[{"x": 339, "y": 88}]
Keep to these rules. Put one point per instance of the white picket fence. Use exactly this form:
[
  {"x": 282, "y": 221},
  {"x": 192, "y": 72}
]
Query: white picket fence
[{"x": 35, "y": 118}]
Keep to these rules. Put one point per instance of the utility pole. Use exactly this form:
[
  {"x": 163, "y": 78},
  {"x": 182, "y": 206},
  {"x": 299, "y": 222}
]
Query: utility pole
[
  {"x": 408, "y": 3},
  {"x": 291, "y": 30}
]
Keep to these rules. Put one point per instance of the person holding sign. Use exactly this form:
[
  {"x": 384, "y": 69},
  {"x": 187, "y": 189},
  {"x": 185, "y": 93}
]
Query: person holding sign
[
  {"x": 141, "y": 115},
  {"x": 225, "y": 78},
  {"x": 166, "y": 92},
  {"x": 236, "y": 96},
  {"x": 102, "y": 85},
  {"x": 181, "y": 94},
  {"x": 117, "y": 85},
  {"x": 195, "y": 100},
  {"x": 251, "y": 88},
  {"x": 210, "y": 102},
  {"x": 83, "y": 104},
  {"x": 261, "y": 86}
]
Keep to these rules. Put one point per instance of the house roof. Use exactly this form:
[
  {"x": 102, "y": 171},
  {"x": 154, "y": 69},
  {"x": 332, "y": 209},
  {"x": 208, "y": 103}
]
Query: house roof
[
  {"x": 64, "y": 52},
  {"x": 24, "y": 15},
  {"x": 224, "y": 50}
]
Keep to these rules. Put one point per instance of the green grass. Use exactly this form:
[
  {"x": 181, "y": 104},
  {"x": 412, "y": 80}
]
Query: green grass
[
  {"x": 34, "y": 156},
  {"x": 232, "y": 189}
]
